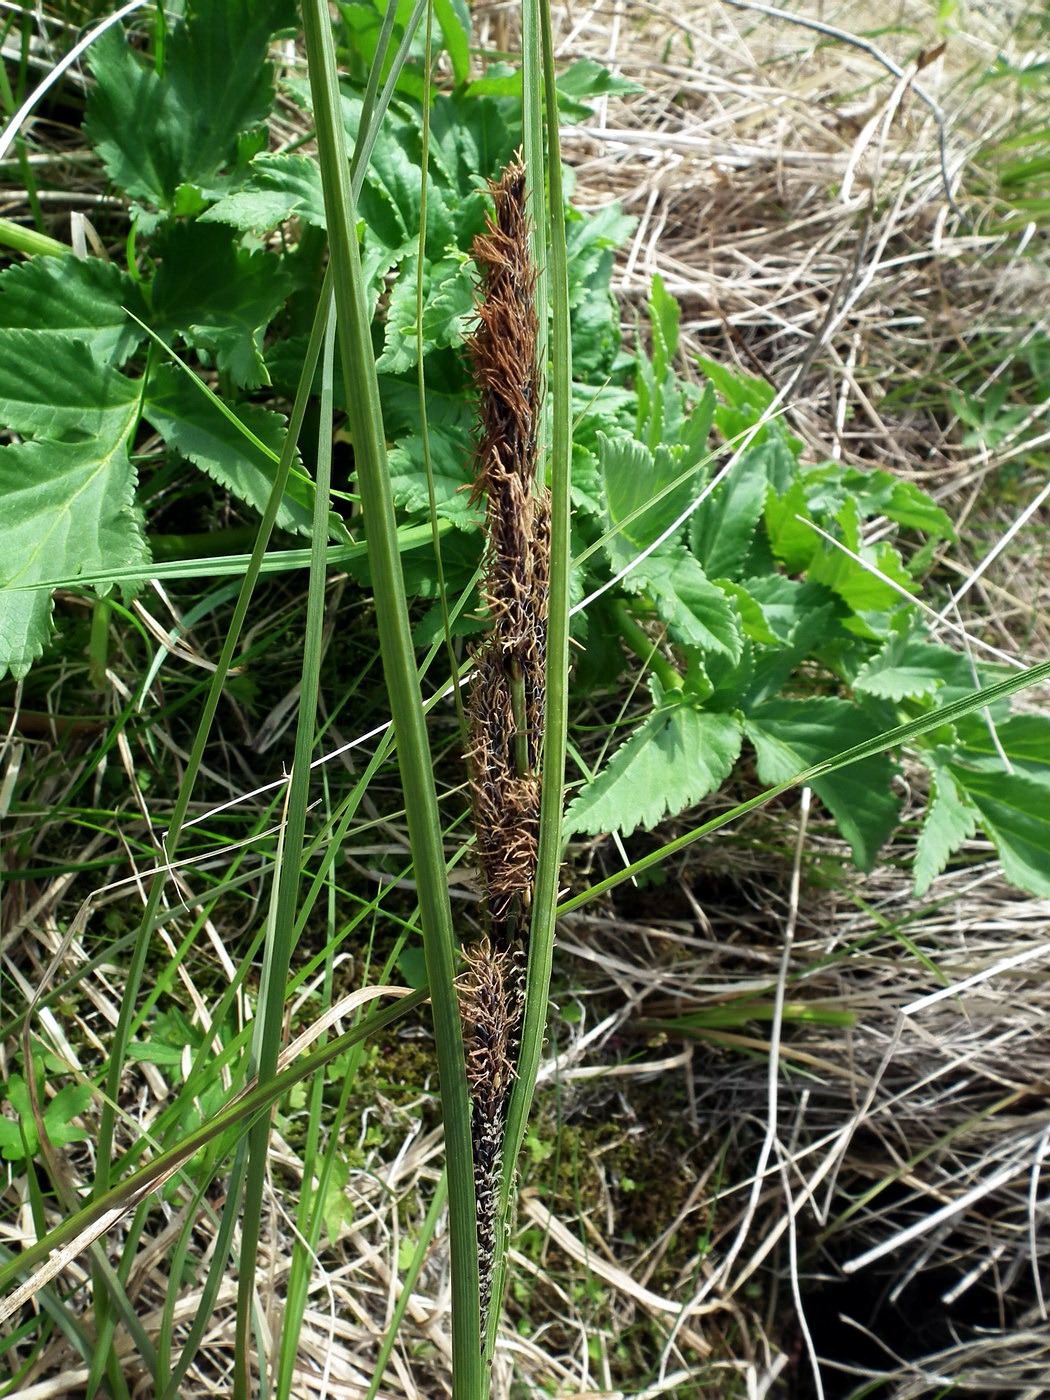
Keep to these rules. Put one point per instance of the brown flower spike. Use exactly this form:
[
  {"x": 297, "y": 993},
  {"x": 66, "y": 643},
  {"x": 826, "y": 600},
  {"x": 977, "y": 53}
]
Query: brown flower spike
[{"x": 507, "y": 697}]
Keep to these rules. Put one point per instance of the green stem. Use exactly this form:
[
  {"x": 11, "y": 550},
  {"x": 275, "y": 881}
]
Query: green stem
[
  {"x": 644, "y": 647},
  {"x": 362, "y": 395},
  {"x": 555, "y": 731},
  {"x": 28, "y": 241},
  {"x": 521, "y": 723}
]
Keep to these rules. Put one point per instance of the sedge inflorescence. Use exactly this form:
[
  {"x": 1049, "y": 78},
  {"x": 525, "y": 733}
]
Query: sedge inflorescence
[{"x": 506, "y": 704}]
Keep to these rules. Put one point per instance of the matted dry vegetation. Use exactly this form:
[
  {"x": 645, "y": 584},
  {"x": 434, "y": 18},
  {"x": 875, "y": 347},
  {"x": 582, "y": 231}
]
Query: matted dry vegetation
[{"x": 693, "y": 1225}]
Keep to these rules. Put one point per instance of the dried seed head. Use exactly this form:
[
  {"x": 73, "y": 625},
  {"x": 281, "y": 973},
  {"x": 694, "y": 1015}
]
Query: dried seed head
[
  {"x": 506, "y": 703},
  {"x": 506, "y": 706},
  {"x": 492, "y": 998}
]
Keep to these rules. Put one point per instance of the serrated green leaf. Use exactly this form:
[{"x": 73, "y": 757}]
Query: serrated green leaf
[
  {"x": 753, "y": 622},
  {"x": 678, "y": 756},
  {"x": 1015, "y": 812},
  {"x": 792, "y": 541},
  {"x": 58, "y": 1112},
  {"x": 790, "y": 735},
  {"x": 866, "y": 582},
  {"x": 68, "y": 509},
  {"x": 950, "y": 820},
  {"x": 77, "y": 299},
  {"x": 907, "y": 667},
  {"x": 586, "y": 481},
  {"x": 156, "y": 134},
  {"x": 814, "y": 625},
  {"x": 696, "y": 611},
  {"x": 337, "y": 1209},
  {"x": 448, "y": 311},
  {"x": 739, "y": 390},
  {"x": 631, "y": 477},
  {"x": 194, "y": 427},
  {"x": 218, "y": 297},
  {"x": 276, "y": 188},
  {"x": 585, "y": 79},
  {"x": 873, "y": 493},
  {"x": 450, "y": 462},
  {"x": 722, "y": 526},
  {"x": 469, "y": 137},
  {"x": 53, "y": 387}
]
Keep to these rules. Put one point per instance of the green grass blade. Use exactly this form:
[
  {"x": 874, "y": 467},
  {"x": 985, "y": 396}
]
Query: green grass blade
[
  {"x": 545, "y": 896},
  {"x": 277, "y": 959},
  {"x": 362, "y": 393},
  {"x": 94, "y": 1218}
]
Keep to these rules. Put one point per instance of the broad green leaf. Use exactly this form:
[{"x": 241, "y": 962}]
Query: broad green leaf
[
  {"x": 218, "y": 297},
  {"x": 69, "y": 508},
  {"x": 53, "y": 387},
  {"x": 785, "y": 602},
  {"x": 1025, "y": 739},
  {"x": 950, "y": 820},
  {"x": 594, "y": 322},
  {"x": 875, "y": 493},
  {"x": 450, "y": 464},
  {"x": 678, "y": 756},
  {"x": 866, "y": 586},
  {"x": 753, "y": 622},
  {"x": 469, "y": 137},
  {"x": 455, "y": 32},
  {"x": 907, "y": 667},
  {"x": 448, "y": 311},
  {"x": 577, "y": 86},
  {"x": 790, "y": 735},
  {"x": 277, "y": 187},
  {"x": 721, "y": 527},
  {"x": 813, "y": 627},
  {"x": 792, "y": 541},
  {"x": 1015, "y": 812},
  {"x": 632, "y": 476},
  {"x": 586, "y": 481},
  {"x": 738, "y": 390},
  {"x": 664, "y": 315},
  {"x": 193, "y": 426},
  {"x": 585, "y": 79},
  {"x": 156, "y": 134},
  {"x": 67, "y": 1104},
  {"x": 77, "y": 299},
  {"x": 696, "y": 610},
  {"x": 337, "y": 1207}
]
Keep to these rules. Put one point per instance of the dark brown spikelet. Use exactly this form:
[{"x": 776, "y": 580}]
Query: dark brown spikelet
[
  {"x": 506, "y": 705},
  {"x": 507, "y": 696},
  {"x": 492, "y": 997}
]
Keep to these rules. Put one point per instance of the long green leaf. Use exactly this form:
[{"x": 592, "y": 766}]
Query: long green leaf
[
  {"x": 539, "y": 74},
  {"x": 362, "y": 394},
  {"x": 116, "y": 1200}
]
